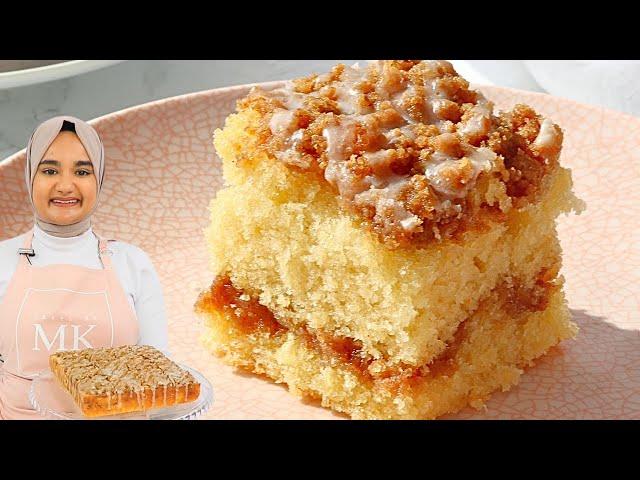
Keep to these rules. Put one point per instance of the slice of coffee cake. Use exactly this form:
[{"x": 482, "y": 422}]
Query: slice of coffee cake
[{"x": 386, "y": 243}]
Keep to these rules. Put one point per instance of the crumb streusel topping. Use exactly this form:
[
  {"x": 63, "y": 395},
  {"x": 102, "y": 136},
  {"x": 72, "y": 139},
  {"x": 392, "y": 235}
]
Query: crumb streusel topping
[
  {"x": 129, "y": 368},
  {"x": 404, "y": 143}
]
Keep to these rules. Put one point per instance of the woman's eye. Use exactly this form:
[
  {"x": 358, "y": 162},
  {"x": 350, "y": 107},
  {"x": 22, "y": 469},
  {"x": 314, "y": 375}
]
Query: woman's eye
[
  {"x": 49, "y": 171},
  {"x": 83, "y": 173}
]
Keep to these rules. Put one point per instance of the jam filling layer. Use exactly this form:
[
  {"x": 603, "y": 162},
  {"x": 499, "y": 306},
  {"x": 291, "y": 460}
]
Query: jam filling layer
[{"x": 250, "y": 317}]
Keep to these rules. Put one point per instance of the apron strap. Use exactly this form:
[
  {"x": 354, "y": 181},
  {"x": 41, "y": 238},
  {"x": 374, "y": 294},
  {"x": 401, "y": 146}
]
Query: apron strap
[
  {"x": 103, "y": 252},
  {"x": 28, "y": 239}
]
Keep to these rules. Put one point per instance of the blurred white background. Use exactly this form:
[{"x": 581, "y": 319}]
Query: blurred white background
[
  {"x": 608, "y": 83},
  {"x": 116, "y": 86}
]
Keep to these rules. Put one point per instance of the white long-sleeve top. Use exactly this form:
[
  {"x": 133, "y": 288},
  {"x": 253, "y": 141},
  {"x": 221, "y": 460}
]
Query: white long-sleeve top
[{"x": 132, "y": 266}]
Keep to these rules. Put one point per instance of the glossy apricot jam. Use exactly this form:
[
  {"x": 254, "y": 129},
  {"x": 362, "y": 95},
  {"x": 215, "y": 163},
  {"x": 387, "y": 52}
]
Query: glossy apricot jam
[{"x": 250, "y": 316}]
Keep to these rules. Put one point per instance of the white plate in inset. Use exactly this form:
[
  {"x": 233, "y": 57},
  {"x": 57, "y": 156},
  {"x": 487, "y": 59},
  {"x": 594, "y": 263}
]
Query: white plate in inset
[{"x": 53, "y": 402}]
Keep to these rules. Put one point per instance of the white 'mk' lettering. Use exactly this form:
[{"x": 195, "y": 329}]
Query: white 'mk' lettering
[
  {"x": 40, "y": 333},
  {"x": 60, "y": 334},
  {"x": 80, "y": 338}
]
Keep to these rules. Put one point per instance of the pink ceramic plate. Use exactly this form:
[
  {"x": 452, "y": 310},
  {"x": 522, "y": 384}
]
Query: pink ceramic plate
[{"x": 162, "y": 172}]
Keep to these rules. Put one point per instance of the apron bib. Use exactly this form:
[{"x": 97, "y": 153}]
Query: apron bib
[{"x": 53, "y": 308}]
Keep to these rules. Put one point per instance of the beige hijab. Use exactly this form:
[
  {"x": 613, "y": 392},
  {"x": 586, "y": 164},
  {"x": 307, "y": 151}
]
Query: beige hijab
[{"x": 39, "y": 142}]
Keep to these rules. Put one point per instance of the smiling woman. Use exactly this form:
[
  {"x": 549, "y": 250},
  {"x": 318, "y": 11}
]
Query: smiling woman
[
  {"x": 61, "y": 286},
  {"x": 64, "y": 185}
]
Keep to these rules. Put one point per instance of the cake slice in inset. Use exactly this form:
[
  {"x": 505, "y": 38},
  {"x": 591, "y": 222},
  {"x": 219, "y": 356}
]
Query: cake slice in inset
[
  {"x": 109, "y": 381},
  {"x": 386, "y": 242}
]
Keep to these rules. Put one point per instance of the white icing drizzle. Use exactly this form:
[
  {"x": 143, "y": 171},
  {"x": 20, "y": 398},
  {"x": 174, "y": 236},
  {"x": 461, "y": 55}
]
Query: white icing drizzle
[
  {"x": 548, "y": 140},
  {"x": 416, "y": 105}
]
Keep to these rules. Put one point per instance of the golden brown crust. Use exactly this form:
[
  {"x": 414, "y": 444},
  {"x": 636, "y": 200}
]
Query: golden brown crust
[{"x": 124, "y": 379}]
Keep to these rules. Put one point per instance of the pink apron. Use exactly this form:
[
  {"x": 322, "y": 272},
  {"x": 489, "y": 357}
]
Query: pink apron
[{"x": 52, "y": 308}]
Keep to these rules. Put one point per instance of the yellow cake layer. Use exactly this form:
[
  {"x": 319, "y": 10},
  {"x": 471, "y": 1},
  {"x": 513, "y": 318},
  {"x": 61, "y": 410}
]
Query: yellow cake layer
[
  {"x": 281, "y": 236},
  {"x": 497, "y": 345}
]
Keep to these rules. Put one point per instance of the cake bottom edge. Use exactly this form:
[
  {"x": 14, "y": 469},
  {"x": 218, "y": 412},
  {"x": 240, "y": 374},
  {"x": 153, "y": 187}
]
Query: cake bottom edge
[
  {"x": 150, "y": 399},
  {"x": 496, "y": 349}
]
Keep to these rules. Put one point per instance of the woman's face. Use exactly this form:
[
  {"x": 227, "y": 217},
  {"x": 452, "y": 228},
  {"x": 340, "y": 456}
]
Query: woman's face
[{"x": 65, "y": 186}]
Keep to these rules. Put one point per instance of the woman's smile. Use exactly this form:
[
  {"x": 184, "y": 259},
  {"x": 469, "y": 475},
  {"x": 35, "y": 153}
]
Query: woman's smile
[{"x": 66, "y": 202}]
